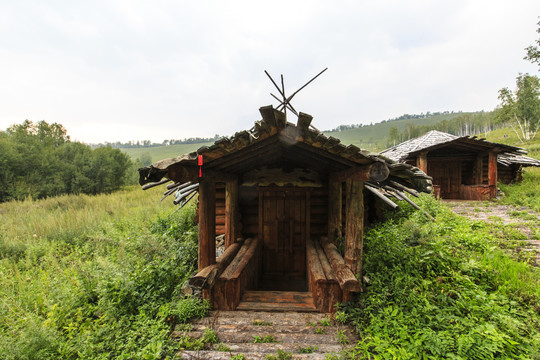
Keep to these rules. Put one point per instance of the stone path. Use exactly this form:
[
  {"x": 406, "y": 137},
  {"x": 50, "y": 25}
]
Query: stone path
[
  {"x": 524, "y": 220},
  {"x": 268, "y": 335}
]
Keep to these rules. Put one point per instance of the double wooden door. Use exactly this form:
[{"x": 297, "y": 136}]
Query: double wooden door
[
  {"x": 284, "y": 224},
  {"x": 446, "y": 174}
]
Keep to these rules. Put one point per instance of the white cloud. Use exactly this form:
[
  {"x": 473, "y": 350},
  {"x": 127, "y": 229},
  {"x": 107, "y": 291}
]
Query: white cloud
[{"x": 134, "y": 70}]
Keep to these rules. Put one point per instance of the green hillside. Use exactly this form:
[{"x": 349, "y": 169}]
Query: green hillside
[
  {"x": 163, "y": 152},
  {"x": 373, "y": 137}
]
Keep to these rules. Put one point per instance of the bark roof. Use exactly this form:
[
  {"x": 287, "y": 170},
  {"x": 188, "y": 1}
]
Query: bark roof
[
  {"x": 508, "y": 155},
  {"x": 273, "y": 140}
]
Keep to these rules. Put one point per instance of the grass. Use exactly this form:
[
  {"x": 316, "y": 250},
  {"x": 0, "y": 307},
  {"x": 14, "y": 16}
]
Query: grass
[
  {"x": 163, "y": 152},
  {"x": 444, "y": 289},
  {"x": 524, "y": 193},
  {"x": 94, "y": 276}
]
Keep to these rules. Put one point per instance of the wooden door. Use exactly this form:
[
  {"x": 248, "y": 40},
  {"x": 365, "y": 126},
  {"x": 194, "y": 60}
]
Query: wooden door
[
  {"x": 446, "y": 174},
  {"x": 284, "y": 226}
]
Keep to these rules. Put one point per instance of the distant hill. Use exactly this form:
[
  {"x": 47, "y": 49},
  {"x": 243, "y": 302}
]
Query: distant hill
[
  {"x": 163, "y": 152},
  {"x": 371, "y": 137}
]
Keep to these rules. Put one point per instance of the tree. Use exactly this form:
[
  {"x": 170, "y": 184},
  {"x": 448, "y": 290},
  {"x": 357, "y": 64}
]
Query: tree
[
  {"x": 533, "y": 52},
  {"x": 522, "y": 108},
  {"x": 394, "y": 136}
]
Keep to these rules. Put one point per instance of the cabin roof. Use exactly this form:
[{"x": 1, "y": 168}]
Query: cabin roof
[
  {"x": 272, "y": 140},
  {"x": 508, "y": 155}
]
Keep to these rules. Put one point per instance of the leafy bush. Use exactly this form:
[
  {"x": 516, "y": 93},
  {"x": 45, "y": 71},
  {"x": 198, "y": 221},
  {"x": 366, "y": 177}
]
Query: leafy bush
[
  {"x": 434, "y": 293},
  {"x": 107, "y": 290}
]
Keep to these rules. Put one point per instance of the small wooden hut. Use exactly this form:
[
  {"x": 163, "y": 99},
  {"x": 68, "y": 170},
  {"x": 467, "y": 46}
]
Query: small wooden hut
[
  {"x": 283, "y": 196},
  {"x": 462, "y": 167}
]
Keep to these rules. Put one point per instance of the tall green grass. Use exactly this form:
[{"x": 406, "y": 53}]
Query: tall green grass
[
  {"x": 94, "y": 277},
  {"x": 525, "y": 193},
  {"x": 444, "y": 290}
]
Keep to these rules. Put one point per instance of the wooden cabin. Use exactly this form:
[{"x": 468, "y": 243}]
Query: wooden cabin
[
  {"x": 286, "y": 198},
  {"x": 464, "y": 167}
]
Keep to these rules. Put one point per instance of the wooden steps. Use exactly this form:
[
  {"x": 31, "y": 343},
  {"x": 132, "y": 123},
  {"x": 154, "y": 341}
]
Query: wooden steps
[
  {"x": 305, "y": 335},
  {"x": 277, "y": 301}
]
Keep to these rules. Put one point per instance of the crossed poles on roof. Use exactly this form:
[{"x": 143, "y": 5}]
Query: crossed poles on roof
[{"x": 285, "y": 103}]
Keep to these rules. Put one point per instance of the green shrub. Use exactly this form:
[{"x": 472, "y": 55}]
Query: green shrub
[{"x": 442, "y": 290}]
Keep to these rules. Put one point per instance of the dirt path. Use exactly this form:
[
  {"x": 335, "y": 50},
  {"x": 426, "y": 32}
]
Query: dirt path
[{"x": 524, "y": 221}]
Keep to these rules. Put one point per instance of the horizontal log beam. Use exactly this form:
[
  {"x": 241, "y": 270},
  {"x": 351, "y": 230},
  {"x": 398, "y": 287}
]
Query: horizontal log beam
[
  {"x": 206, "y": 278},
  {"x": 346, "y": 279},
  {"x": 377, "y": 171}
]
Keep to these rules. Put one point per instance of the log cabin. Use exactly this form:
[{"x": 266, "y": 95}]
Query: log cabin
[
  {"x": 462, "y": 167},
  {"x": 291, "y": 204}
]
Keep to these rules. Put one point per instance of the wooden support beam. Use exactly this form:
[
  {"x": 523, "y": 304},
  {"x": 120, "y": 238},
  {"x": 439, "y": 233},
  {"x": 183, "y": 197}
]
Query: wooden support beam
[
  {"x": 334, "y": 211},
  {"x": 479, "y": 169},
  {"x": 492, "y": 168},
  {"x": 421, "y": 161},
  {"x": 207, "y": 223},
  {"x": 232, "y": 212},
  {"x": 354, "y": 225},
  {"x": 206, "y": 278},
  {"x": 346, "y": 279},
  {"x": 378, "y": 171}
]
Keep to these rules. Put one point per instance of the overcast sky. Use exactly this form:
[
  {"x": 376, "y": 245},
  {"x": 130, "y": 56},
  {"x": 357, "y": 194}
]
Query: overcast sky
[{"x": 135, "y": 70}]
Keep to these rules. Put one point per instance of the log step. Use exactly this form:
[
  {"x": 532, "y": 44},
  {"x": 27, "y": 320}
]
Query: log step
[{"x": 277, "y": 301}]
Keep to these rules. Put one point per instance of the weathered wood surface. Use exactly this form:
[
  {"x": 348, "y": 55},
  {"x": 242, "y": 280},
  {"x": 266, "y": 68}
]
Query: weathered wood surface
[
  {"x": 277, "y": 301},
  {"x": 207, "y": 226},
  {"x": 334, "y": 210},
  {"x": 492, "y": 168},
  {"x": 354, "y": 225},
  {"x": 316, "y": 277},
  {"x": 232, "y": 212},
  {"x": 346, "y": 279},
  {"x": 378, "y": 171},
  {"x": 332, "y": 291},
  {"x": 205, "y": 279},
  {"x": 421, "y": 161},
  {"x": 241, "y": 273}
]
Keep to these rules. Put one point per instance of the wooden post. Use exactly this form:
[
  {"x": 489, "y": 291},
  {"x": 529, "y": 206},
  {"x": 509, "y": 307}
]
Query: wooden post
[
  {"x": 492, "y": 168},
  {"x": 231, "y": 212},
  {"x": 334, "y": 211},
  {"x": 421, "y": 161},
  {"x": 207, "y": 223},
  {"x": 354, "y": 225},
  {"x": 479, "y": 169}
]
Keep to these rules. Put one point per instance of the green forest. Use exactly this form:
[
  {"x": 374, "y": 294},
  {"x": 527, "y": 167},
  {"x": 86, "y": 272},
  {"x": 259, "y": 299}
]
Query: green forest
[{"x": 38, "y": 160}]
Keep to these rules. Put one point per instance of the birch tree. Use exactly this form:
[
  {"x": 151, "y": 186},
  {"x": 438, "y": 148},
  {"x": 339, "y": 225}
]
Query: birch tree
[{"x": 521, "y": 109}]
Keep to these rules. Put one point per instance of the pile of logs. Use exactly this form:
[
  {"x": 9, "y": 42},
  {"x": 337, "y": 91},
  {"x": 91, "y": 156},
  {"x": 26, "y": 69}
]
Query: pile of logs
[{"x": 183, "y": 192}]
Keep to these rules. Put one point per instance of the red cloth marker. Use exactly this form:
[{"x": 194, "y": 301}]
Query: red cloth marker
[{"x": 200, "y": 163}]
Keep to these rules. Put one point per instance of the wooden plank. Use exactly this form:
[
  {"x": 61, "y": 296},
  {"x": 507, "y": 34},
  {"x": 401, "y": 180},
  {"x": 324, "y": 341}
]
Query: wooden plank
[
  {"x": 229, "y": 286},
  {"x": 346, "y": 279},
  {"x": 207, "y": 223},
  {"x": 227, "y": 274},
  {"x": 332, "y": 291},
  {"x": 492, "y": 168},
  {"x": 354, "y": 225},
  {"x": 277, "y": 301},
  {"x": 205, "y": 278},
  {"x": 231, "y": 212},
  {"x": 421, "y": 161},
  {"x": 377, "y": 171},
  {"x": 334, "y": 210}
]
